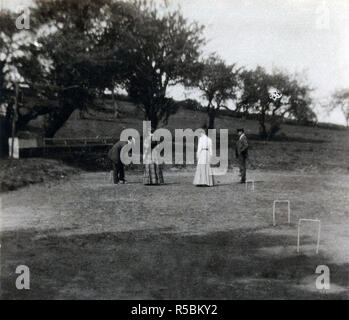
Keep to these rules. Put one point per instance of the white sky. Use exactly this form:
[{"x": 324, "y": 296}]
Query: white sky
[{"x": 310, "y": 37}]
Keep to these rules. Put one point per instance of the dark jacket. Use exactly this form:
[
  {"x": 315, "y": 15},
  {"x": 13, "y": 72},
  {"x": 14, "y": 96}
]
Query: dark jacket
[
  {"x": 115, "y": 151},
  {"x": 242, "y": 147}
]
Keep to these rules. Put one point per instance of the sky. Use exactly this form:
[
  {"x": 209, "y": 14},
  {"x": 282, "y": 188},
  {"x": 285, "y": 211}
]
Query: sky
[{"x": 308, "y": 37}]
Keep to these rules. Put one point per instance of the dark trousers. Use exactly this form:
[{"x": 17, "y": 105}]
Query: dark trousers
[
  {"x": 118, "y": 171},
  {"x": 242, "y": 167}
]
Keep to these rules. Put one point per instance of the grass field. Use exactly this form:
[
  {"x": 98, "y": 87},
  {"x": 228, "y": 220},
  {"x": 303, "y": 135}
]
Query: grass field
[{"x": 86, "y": 238}]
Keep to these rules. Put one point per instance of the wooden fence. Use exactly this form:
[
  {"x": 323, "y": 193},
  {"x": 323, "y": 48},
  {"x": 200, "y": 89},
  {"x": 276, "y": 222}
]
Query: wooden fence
[{"x": 77, "y": 142}]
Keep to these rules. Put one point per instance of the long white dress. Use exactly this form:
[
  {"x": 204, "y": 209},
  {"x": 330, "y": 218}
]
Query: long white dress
[{"x": 203, "y": 174}]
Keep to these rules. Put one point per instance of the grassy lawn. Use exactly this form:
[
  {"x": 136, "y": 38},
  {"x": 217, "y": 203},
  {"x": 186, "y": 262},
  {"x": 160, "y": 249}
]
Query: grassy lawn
[{"x": 86, "y": 238}]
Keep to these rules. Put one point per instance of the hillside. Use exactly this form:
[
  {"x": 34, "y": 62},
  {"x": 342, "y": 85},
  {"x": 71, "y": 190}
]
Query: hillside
[{"x": 298, "y": 147}]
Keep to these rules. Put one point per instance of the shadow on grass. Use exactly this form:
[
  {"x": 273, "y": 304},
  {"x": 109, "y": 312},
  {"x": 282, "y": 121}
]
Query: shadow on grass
[
  {"x": 161, "y": 264},
  {"x": 161, "y": 184}
]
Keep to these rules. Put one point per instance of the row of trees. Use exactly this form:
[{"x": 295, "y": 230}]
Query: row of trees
[{"x": 79, "y": 49}]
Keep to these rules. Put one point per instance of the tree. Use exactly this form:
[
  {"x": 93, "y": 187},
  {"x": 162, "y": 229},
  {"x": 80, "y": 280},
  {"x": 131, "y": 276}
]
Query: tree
[
  {"x": 157, "y": 51},
  {"x": 218, "y": 83},
  {"x": 8, "y": 49},
  {"x": 294, "y": 103},
  {"x": 340, "y": 99},
  {"x": 66, "y": 61},
  {"x": 81, "y": 48}
]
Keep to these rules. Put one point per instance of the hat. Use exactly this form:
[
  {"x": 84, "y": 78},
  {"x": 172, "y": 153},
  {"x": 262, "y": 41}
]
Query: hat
[{"x": 240, "y": 130}]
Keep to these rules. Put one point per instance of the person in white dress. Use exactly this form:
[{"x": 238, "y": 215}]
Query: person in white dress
[{"x": 203, "y": 175}]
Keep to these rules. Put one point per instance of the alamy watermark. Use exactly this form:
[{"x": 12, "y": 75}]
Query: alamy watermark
[
  {"x": 23, "y": 20},
  {"x": 323, "y": 280},
  {"x": 163, "y": 152},
  {"x": 23, "y": 280}
]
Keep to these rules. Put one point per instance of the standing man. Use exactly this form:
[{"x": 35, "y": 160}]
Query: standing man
[
  {"x": 241, "y": 153},
  {"x": 114, "y": 155}
]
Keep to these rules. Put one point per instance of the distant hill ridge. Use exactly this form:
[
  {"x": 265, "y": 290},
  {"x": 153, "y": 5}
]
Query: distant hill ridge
[{"x": 103, "y": 123}]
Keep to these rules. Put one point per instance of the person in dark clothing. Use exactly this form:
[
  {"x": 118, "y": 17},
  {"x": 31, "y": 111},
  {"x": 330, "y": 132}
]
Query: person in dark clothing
[
  {"x": 241, "y": 152},
  {"x": 114, "y": 155}
]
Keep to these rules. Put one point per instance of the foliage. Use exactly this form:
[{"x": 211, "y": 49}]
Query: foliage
[
  {"x": 157, "y": 51},
  {"x": 218, "y": 83},
  {"x": 64, "y": 60},
  {"x": 78, "y": 49},
  {"x": 294, "y": 104}
]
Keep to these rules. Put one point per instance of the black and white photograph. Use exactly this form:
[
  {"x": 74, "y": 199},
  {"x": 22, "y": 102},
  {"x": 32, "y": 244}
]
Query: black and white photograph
[{"x": 161, "y": 150}]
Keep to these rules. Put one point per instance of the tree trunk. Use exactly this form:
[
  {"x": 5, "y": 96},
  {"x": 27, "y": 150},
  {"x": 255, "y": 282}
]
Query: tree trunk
[
  {"x": 245, "y": 112},
  {"x": 150, "y": 115},
  {"x": 2, "y": 80},
  {"x": 263, "y": 131},
  {"x": 211, "y": 118},
  {"x": 5, "y": 129},
  {"x": 57, "y": 120},
  {"x": 115, "y": 105},
  {"x": 14, "y": 120},
  {"x": 154, "y": 122},
  {"x": 262, "y": 128}
]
